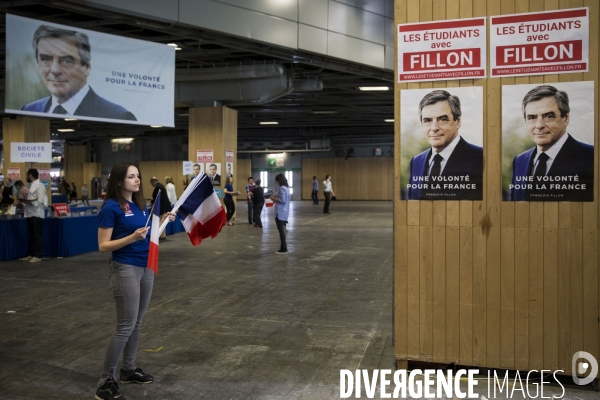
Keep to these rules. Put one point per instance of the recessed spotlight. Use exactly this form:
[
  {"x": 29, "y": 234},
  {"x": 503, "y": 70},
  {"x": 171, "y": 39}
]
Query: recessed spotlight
[
  {"x": 388, "y": 120},
  {"x": 269, "y": 123},
  {"x": 155, "y": 126},
  {"x": 70, "y": 119},
  {"x": 374, "y": 88},
  {"x": 66, "y": 130},
  {"x": 174, "y": 45}
]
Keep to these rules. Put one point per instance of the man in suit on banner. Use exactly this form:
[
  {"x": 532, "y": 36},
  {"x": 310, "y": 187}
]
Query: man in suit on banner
[
  {"x": 64, "y": 63},
  {"x": 214, "y": 177},
  {"x": 452, "y": 169},
  {"x": 558, "y": 167}
]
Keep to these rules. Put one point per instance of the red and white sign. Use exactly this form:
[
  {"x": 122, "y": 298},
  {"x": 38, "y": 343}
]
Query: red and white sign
[
  {"x": 228, "y": 155},
  {"x": 61, "y": 209},
  {"x": 540, "y": 43},
  {"x": 13, "y": 173},
  {"x": 442, "y": 50},
  {"x": 44, "y": 173},
  {"x": 204, "y": 156}
]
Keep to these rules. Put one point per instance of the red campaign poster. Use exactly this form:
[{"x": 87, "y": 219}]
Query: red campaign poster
[
  {"x": 540, "y": 43},
  {"x": 61, "y": 209},
  {"x": 14, "y": 173},
  {"x": 204, "y": 156},
  {"x": 44, "y": 173},
  {"x": 442, "y": 50}
]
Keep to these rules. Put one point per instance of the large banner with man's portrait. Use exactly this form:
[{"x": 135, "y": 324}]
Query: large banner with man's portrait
[
  {"x": 58, "y": 71},
  {"x": 548, "y": 142},
  {"x": 442, "y": 144}
]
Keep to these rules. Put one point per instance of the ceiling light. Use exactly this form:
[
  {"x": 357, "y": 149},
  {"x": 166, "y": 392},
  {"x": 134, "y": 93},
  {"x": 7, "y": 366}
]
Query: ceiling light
[
  {"x": 155, "y": 126},
  {"x": 324, "y": 112},
  {"x": 70, "y": 119},
  {"x": 269, "y": 123},
  {"x": 374, "y": 88},
  {"x": 66, "y": 130},
  {"x": 122, "y": 140},
  {"x": 172, "y": 44},
  {"x": 388, "y": 120}
]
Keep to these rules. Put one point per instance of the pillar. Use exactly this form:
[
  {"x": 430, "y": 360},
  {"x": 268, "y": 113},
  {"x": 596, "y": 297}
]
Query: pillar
[
  {"x": 214, "y": 128},
  {"x": 26, "y": 130},
  {"x": 75, "y": 158}
]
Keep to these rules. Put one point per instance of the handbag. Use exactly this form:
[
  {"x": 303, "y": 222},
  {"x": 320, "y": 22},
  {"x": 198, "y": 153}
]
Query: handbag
[{"x": 333, "y": 198}]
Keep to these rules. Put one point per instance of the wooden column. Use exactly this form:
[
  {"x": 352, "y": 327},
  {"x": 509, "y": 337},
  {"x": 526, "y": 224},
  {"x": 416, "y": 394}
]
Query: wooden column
[
  {"x": 75, "y": 158},
  {"x": 512, "y": 285},
  {"x": 27, "y": 130},
  {"x": 215, "y": 128}
]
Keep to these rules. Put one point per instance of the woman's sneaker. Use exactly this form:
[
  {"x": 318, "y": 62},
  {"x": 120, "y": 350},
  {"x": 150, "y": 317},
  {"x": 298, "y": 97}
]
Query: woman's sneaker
[
  {"x": 135, "y": 376},
  {"x": 109, "y": 391}
]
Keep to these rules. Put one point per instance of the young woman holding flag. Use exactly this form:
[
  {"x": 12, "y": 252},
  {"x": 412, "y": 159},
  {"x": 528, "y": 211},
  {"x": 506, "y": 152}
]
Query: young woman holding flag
[{"x": 122, "y": 230}]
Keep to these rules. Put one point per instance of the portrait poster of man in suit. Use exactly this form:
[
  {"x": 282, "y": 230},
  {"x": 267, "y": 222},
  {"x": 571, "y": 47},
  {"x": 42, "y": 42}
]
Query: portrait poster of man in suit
[
  {"x": 548, "y": 142},
  {"x": 58, "y": 71},
  {"x": 441, "y": 134},
  {"x": 214, "y": 173}
]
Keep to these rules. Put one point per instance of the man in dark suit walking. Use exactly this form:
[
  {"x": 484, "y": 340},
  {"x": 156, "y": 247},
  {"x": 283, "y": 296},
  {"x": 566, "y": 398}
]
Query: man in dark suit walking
[
  {"x": 452, "y": 169},
  {"x": 558, "y": 167},
  {"x": 64, "y": 63}
]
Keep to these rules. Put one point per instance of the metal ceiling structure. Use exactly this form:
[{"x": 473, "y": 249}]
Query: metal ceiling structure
[{"x": 321, "y": 98}]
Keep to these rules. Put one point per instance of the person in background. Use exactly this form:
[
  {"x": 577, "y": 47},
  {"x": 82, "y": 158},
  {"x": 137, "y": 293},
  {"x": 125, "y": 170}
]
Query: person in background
[
  {"x": 228, "y": 199},
  {"x": 258, "y": 199},
  {"x": 282, "y": 209},
  {"x": 171, "y": 190},
  {"x": 63, "y": 186},
  {"x": 73, "y": 193},
  {"x": 249, "y": 188},
  {"x": 327, "y": 189},
  {"x": 122, "y": 231},
  {"x": 315, "y": 191},
  {"x": 34, "y": 212},
  {"x": 164, "y": 207},
  {"x": 22, "y": 194},
  {"x": 85, "y": 195},
  {"x": 6, "y": 192}
]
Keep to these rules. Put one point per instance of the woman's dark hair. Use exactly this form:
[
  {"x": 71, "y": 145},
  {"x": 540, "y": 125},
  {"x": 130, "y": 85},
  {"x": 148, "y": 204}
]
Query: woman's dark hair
[
  {"x": 116, "y": 179},
  {"x": 230, "y": 177},
  {"x": 258, "y": 181},
  {"x": 281, "y": 179},
  {"x": 19, "y": 183},
  {"x": 327, "y": 177}
]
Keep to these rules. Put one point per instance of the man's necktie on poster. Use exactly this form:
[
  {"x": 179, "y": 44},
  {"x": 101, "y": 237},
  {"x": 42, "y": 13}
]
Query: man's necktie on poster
[
  {"x": 59, "y": 110},
  {"x": 540, "y": 170},
  {"x": 436, "y": 168}
]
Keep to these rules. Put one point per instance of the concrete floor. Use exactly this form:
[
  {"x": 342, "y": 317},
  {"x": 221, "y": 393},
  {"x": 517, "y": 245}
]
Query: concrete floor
[{"x": 228, "y": 319}]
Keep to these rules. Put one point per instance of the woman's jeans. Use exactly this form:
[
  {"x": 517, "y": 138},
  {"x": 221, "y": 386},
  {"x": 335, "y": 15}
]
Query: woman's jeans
[
  {"x": 327, "y": 201},
  {"x": 132, "y": 289},
  {"x": 281, "y": 229},
  {"x": 230, "y": 205},
  {"x": 257, "y": 211}
]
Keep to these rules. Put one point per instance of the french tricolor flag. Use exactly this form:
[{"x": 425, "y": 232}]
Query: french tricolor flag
[
  {"x": 154, "y": 235},
  {"x": 200, "y": 210}
]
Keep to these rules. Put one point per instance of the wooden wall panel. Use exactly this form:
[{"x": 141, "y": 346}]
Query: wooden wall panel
[
  {"x": 75, "y": 158},
  {"x": 351, "y": 179},
  {"x": 492, "y": 283}
]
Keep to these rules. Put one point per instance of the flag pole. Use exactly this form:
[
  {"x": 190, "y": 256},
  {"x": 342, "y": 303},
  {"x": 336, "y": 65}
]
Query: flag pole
[{"x": 150, "y": 216}]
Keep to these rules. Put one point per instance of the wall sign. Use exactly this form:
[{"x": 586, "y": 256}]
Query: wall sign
[
  {"x": 442, "y": 50},
  {"x": 204, "y": 156},
  {"x": 540, "y": 43},
  {"x": 31, "y": 152}
]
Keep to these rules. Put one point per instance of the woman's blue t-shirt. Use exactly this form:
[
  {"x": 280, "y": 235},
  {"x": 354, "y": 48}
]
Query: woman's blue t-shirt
[
  {"x": 124, "y": 223},
  {"x": 229, "y": 188}
]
